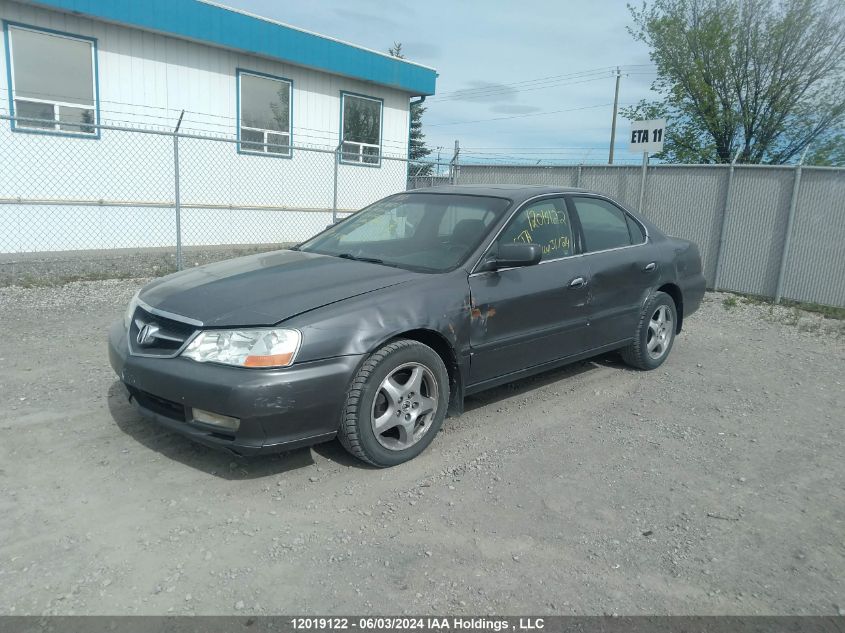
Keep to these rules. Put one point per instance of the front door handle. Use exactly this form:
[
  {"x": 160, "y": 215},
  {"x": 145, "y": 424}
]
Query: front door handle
[
  {"x": 650, "y": 267},
  {"x": 578, "y": 282}
]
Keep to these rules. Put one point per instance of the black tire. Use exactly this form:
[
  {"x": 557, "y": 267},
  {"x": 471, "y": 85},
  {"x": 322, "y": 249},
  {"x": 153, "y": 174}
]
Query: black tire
[
  {"x": 356, "y": 431},
  {"x": 637, "y": 353}
]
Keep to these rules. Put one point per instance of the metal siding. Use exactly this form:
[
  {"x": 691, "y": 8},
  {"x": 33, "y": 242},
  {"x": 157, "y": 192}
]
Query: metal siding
[
  {"x": 147, "y": 79},
  {"x": 220, "y": 27},
  {"x": 816, "y": 260},
  {"x": 688, "y": 202},
  {"x": 755, "y": 229}
]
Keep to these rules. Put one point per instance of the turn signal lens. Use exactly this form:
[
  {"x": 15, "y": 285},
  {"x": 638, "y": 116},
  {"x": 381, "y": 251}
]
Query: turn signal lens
[
  {"x": 274, "y": 347},
  {"x": 276, "y": 360}
]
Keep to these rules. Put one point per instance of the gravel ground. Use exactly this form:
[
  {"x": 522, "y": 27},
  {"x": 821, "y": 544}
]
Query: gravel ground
[
  {"x": 58, "y": 267},
  {"x": 713, "y": 485}
]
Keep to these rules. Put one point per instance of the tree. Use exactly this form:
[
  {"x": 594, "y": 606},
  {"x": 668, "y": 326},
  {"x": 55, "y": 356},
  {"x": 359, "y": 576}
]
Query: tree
[
  {"x": 831, "y": 152},
  {"x": 418, "y": 150},
  {"x": 762, "y": 78}
]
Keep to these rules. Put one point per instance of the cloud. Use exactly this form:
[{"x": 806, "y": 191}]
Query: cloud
[
  {"x": 484, "y": 92},
  {"x": 363, "y": 18},
  {"x": 418, "y": 51},
  {"x": 514, "y": 108}
]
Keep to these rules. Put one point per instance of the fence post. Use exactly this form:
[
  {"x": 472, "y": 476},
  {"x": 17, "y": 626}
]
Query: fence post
[
  {"x": 177, "y": 202},
  {"x": 723, "y": 227},
  {"x": 454, "y": 164},
  {"x": 336, "y": 165},
  {"x": 578, "y": 176},
  {"x": 796, "y": 185},
  {"x": 642, "y": 183}
]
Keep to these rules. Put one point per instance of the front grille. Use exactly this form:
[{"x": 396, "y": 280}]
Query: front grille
[
  {"x": 163, "y": 336},
  {"x": 167, "y": 408}
]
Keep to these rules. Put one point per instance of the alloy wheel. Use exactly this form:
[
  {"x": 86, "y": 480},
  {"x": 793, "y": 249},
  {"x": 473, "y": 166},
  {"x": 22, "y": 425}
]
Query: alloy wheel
[
  {"x": 660, "y": 332},
  {"x": 404, "y": 406}
]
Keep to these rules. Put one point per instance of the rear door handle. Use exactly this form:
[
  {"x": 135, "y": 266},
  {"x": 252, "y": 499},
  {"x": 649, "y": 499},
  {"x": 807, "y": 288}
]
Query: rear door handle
[
  {"x": 650, "y": 267},
  {"x": 578, "y": 282}
]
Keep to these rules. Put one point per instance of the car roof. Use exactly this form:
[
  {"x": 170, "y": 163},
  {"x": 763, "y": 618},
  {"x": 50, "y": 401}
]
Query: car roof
[{"x": 515, "y": 192}]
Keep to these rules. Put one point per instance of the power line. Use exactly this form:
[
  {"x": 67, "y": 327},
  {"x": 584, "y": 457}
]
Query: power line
[
  {"x": 468, "y": 93},
  {"x": 510, "y": 92},
  {"x": 523, "y": 116},
  {"x": 491, "y": 91}
]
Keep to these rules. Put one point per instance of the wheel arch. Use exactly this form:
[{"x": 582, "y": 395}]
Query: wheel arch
[{"x": 677, "y": 296}]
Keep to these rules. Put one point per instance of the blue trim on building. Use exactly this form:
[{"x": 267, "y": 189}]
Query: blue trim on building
[
  {"x": 221, "y": 27},
  {"x": 9, "y": 72},
  {"x": 343, "y": 93},
  {"x": 244, "y": 71},
  {"x": 11, "y": 91}
]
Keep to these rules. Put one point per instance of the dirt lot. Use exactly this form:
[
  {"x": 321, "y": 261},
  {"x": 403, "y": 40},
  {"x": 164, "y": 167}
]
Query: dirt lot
[{"x": 715, "y": 484}]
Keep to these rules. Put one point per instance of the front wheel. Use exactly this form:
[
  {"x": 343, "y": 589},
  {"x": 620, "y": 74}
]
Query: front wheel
[
  {"x": 655, "y": 333},
  {"x": 396, "y": 404}
]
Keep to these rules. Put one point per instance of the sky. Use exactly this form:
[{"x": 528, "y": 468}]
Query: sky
[{"x": 527, "y": 80}]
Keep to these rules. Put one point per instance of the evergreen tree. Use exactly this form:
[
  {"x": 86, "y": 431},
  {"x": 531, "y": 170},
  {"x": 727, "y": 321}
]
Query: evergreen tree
[{"x": 418, "y": 150}]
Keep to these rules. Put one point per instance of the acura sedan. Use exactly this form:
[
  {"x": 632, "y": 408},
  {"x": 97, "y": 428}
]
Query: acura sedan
[{"x": 377, "y": 328}]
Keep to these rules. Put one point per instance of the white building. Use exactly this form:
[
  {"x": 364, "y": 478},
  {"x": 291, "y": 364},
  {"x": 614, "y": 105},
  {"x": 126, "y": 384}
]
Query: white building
[{"x": 73, "y": 69}]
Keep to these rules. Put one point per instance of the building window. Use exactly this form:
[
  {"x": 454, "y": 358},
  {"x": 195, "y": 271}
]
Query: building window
[
  {"x": 265, "y": 114},
  {"x": 361, "y": 130},
  {"x": 53, "y": 81}
]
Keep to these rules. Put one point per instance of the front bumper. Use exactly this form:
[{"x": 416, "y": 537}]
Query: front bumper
[{"x": 279, "y": 409}]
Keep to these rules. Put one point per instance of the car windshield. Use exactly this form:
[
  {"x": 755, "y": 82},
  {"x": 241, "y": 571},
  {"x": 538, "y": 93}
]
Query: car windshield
[{"x": 427, "y": 232}]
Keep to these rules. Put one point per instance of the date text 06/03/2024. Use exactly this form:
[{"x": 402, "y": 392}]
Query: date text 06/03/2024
[{"x": 419, "y": 624}]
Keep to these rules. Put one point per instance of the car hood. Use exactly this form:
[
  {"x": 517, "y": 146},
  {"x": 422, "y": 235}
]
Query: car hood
[{"x": 267, "y": 288}]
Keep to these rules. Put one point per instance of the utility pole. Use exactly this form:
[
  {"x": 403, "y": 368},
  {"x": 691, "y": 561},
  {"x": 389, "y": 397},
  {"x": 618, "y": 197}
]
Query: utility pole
[{"x": 613, "y": 123}]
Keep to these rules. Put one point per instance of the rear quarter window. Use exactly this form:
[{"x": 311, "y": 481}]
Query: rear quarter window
[{"x": 636, "y": 230}]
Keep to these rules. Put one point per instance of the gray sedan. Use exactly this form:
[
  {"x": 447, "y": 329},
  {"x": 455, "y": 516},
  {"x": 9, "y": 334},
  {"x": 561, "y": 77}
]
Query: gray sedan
[{"x": 378, "y": 327}]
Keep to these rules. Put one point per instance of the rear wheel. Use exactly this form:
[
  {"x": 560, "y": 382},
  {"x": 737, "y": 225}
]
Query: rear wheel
[
  {"x": 655, "y": 333},
  {"x": 396, "y": 404}
]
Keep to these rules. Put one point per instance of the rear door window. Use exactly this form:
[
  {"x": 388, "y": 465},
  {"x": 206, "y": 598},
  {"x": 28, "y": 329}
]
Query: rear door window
[{"x": 604, "y": 224}]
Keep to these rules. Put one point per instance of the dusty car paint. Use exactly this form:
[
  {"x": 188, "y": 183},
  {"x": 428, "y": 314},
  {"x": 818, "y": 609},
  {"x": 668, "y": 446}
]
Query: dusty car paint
[{"x": 489, "y": 327}]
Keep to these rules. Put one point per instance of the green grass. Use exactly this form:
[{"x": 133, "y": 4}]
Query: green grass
[
  {"x": 828, "y": 312},
  {"x": 30, "y": 281},
  {"x": 729, "y": 303}
]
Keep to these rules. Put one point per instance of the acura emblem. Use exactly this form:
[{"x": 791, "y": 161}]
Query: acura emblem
[{"x": 147, "y": 334}]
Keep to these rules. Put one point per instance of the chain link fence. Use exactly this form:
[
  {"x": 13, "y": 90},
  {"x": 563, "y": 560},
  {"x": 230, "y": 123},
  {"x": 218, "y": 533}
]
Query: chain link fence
[
  {"x": 137, "y": 202},
  {"x": 772, "y": 231}
]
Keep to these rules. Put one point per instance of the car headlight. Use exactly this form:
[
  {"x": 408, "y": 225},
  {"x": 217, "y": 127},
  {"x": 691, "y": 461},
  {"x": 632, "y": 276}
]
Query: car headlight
[
  {"x": 264, "y": 347},
  {"x": 130, "y": 310}
]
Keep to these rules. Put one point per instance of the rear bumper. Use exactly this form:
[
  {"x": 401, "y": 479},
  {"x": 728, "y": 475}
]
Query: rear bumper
[{"x": 278, "y": 409}]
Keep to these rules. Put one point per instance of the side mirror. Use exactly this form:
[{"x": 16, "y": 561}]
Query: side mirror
[{"x": 514, "y": 256}]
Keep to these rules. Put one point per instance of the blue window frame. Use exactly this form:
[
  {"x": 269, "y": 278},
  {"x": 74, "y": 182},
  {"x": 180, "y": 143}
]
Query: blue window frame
[
  {"x": 361, "y": 124},
  {"x": 53, "y": 81},
  {"x": 265, "y": 114}
]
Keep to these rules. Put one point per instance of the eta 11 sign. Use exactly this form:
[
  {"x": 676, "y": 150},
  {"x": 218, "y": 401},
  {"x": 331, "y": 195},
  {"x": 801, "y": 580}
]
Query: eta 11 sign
[{"x": 647, "y": 136}]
